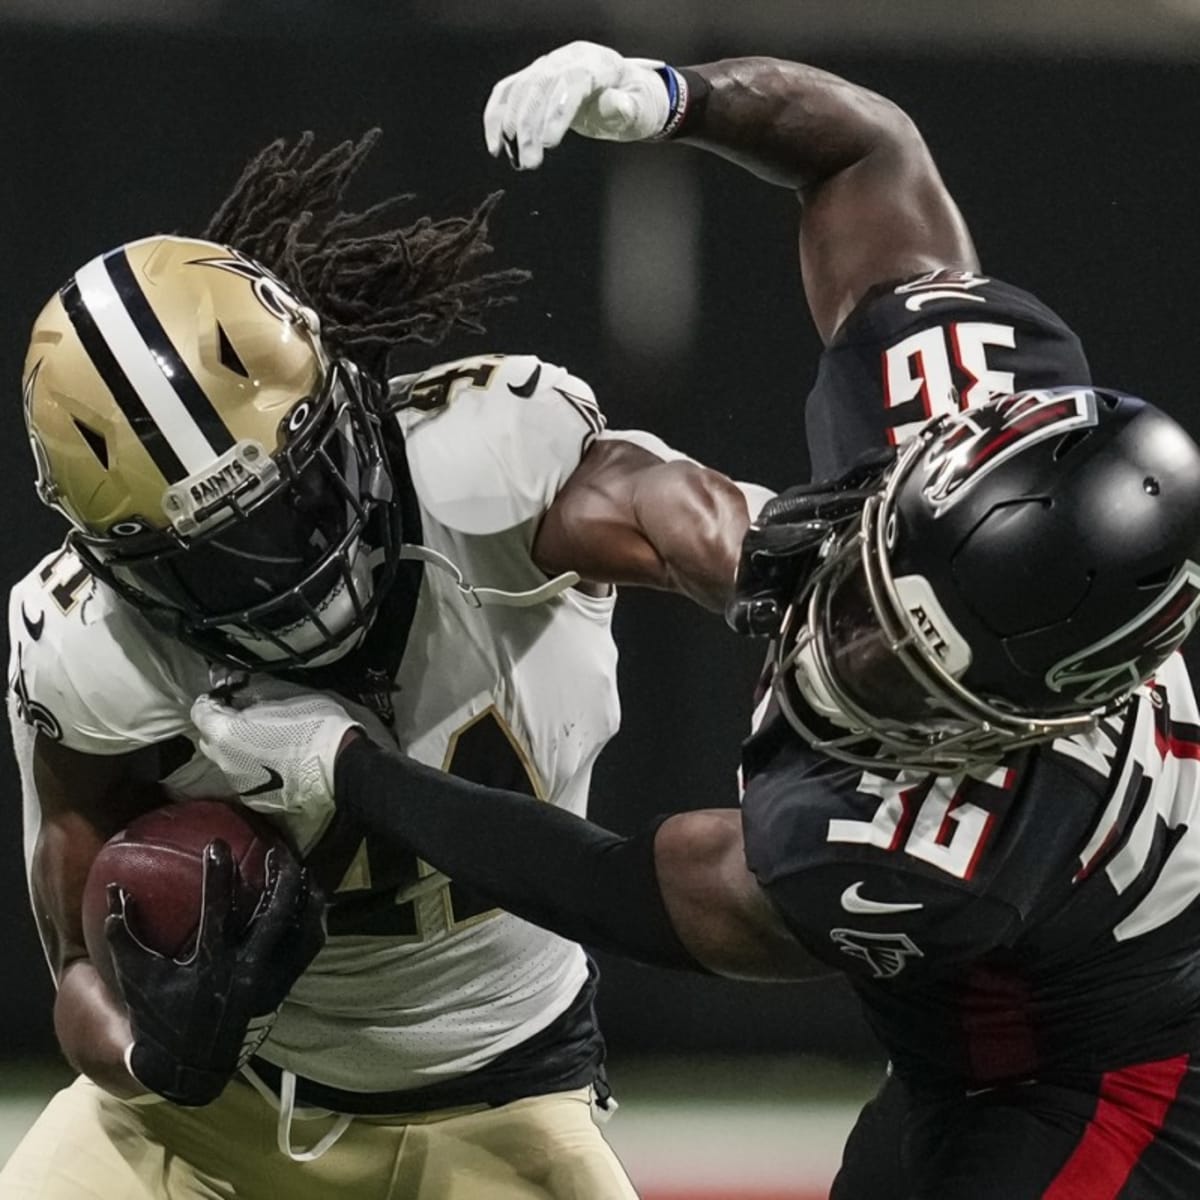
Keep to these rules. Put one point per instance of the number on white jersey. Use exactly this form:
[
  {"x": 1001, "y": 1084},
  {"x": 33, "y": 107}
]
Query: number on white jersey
[
  {"x": 388, "y": 893},
  {"x": 66, "y": 579},
  {"x": 435, "y": 391}
]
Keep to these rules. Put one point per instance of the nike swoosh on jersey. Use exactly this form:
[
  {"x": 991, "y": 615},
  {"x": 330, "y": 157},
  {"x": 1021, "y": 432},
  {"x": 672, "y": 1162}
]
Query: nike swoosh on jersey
[
  {"x": 274, "y": 783},
  {"x": 34, "y": 627},
  {"x": 853, "y": 902},
  {"x": 526, "y": 389}
]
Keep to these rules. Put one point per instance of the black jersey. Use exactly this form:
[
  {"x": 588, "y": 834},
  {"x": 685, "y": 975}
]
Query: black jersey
[
  {"x": 1039, "y": 916},
  {"x": 932, "y": 345}
]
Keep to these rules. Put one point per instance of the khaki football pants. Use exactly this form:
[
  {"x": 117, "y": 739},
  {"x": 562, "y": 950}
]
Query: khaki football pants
[{"x": 87, "y": 1145}]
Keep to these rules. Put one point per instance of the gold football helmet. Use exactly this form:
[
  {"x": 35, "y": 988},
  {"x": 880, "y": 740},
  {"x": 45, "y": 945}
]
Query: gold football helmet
[{"x": 220, "y": 468}]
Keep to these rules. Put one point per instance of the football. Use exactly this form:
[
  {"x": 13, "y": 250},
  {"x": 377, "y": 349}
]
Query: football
[{"x": 158, "y": 861}]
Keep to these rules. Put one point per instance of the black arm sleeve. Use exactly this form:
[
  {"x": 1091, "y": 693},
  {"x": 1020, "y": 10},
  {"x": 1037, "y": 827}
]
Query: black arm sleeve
[{"x": 537, "y": 861}]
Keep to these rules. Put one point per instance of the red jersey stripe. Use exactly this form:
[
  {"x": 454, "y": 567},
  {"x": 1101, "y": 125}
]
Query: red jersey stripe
[
  {"x": 1176, "y": 747},
  {"x": 1133, "y": 1105}
]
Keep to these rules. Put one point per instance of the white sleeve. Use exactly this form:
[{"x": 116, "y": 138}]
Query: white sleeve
[
  {"x": 87, "y": 678},
  {"x": 755, "y": 494},
  {"x": 22, "y": 742},
  {"x": 31, "y": 809},
  {"x": 496, "y": 449}
]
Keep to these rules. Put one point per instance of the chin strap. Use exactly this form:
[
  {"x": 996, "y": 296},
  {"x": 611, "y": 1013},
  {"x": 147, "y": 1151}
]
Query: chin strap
[
  {"x": 477, "y": 597},
  {"x": 223, "y": 679}
]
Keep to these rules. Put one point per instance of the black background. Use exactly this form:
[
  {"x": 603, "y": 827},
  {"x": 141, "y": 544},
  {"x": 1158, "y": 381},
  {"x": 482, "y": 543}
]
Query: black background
[{"x": 1079, "y": 179}]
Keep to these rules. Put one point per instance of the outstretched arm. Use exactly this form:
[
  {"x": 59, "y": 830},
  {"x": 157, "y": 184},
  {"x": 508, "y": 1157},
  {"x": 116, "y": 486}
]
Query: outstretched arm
[
  {"x": 875, "y": 209},
  {"x": 677, "y": 894}
]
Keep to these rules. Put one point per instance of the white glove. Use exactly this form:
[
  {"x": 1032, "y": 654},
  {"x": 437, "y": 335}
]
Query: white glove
[
  {"x": 588, "y": 88},
  {"x": 277, "y": 751}
]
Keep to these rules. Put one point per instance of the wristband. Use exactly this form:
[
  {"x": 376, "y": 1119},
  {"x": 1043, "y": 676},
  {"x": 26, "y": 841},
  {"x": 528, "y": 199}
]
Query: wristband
[
  {"x": 127, "y": 1059},
  {"x": 687, "y": 96},
  {"x": 147, "y": 1097}
]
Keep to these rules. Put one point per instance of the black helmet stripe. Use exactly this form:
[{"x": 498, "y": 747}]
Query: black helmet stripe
[
  {"x": 117, "y": 382},
  {"x": 171, "y": 362}
]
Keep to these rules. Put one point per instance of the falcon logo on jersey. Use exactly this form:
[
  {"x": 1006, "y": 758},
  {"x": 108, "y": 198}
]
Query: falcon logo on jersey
[
  {"x": 973, "y": 443},
  {"x": 1122, "y": 660},
  {"x": 887, "y": 954}
]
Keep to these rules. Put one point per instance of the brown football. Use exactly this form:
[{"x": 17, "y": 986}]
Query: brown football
[{"x": 158, "y": 860}]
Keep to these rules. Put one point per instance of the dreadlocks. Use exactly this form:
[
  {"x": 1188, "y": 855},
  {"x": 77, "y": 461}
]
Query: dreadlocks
[{"x": 372, "y": 290}]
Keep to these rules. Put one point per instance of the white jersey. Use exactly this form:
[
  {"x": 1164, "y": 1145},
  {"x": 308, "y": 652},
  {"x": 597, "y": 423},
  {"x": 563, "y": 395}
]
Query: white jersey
[{"x": 418, "y": 983}]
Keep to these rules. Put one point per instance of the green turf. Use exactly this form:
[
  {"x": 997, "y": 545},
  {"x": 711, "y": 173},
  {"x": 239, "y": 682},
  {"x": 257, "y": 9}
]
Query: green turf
[
  {"x": 759, "y": 1079},
  {"x": 24, "y": 1088},
  {"x": 645, "y": 1086}
]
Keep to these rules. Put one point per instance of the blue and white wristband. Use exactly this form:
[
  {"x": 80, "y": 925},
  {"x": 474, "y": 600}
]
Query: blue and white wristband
[{"x": 686, "y": 93}]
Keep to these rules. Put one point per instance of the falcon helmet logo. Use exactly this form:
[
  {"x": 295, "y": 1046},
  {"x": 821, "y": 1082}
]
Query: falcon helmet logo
[
  {"x": 887, "y": 954},
  {"x": 974, "y": 442},
  {"x": 1121, "y": 661}
]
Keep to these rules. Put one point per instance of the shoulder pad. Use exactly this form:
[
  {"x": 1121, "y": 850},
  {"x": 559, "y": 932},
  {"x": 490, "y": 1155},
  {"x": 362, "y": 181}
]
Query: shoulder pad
[
  {"x": 941, "y": 296},
  {"x": 86, "y": 669},
  {"x": 491, "y": 440},
  {"x": 926, "y": 347},
  {"x": 880, "y": 875},
  {"x": 803, "y": 810}
]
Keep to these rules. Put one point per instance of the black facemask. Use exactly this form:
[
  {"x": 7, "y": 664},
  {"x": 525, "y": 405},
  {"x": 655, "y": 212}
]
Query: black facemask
[{"x": 783, "y": 547}]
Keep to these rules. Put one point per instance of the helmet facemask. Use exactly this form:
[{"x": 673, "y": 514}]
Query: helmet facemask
[
  {"x": 878, "y": 663},
  {"x": 881, "y": 673},
  {"x": 283, "y": 567}
]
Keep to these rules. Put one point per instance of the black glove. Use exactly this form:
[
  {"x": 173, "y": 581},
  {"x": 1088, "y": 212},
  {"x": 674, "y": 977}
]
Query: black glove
[{"x": 197, "y": 1020}]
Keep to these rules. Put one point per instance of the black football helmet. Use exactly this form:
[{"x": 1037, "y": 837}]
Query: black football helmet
[{"x": 1010, "y": 576}]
